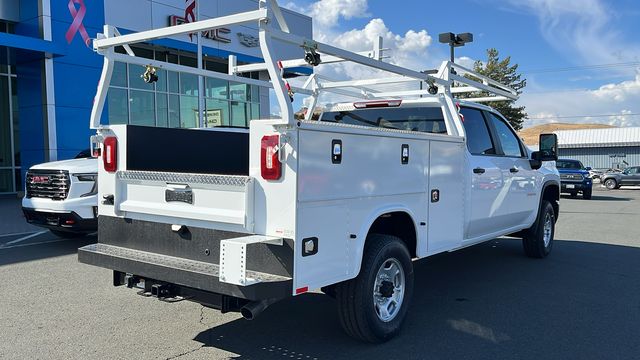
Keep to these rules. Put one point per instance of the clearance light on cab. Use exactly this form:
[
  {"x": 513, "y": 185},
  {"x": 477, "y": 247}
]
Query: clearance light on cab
[{"x": 377, "y": 104}]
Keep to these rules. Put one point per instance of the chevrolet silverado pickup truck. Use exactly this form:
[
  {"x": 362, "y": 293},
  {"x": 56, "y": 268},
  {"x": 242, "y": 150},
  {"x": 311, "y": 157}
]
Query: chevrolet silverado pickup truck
[{"x": 343, "y": 204}]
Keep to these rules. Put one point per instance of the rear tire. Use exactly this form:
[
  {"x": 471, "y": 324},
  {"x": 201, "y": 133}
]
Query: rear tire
[
  {"x": 538, "y": 240},
  {"x": 67, "y": 234},
  {"x": 373, "y": 306},
  {"x": 611, "y": 184},
  {"x": 587, "y": 194}
]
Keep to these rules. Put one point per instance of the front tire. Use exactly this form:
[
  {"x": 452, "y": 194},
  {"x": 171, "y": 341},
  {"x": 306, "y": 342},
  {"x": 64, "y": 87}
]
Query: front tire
[
  {"x": 611, "y": 184},
  {"x": 538, "y": 240},
  {"x": 373, "y": 306},
  {"x": 587, "y": 194}
]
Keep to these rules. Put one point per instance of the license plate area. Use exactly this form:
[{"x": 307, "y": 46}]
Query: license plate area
[
  {"x": 571, "y": 186},
  {"x": 183, "y": 194}
]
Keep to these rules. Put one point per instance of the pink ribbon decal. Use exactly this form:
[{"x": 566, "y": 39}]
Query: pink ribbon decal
[{"x": 76, "y": 25}]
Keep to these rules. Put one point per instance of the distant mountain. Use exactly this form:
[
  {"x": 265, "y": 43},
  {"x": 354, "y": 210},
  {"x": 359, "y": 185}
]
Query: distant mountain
[{"x": 531, "y": 135}]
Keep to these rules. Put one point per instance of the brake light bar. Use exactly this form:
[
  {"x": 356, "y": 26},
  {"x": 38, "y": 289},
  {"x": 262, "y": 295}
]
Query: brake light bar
[
  {"x": 377, "y": 104},
  {"x": 270, "y": 165},
  {"x": 110, "y": 154}
]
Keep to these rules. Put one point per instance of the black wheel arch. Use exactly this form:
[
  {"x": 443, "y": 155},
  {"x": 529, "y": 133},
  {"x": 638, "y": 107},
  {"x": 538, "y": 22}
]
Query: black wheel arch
[{"x": 551, "y": 193}]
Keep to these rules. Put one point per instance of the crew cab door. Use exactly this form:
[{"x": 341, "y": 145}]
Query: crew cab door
[
  {"x": 520, "y": 179},
  {"x": 487, "y": 186}
]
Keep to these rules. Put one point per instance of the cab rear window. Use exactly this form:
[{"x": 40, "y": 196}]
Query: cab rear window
[{"x": 423, "y": 119}]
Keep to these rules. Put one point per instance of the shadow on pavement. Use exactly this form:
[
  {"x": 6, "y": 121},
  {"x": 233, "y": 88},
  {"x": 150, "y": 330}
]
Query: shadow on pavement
[
  {"x": 610, "y": 198},
  {"x": 44, "y": 247},
  {"x": 485, "y": 302},
  {"x": 596, "y": 197}
]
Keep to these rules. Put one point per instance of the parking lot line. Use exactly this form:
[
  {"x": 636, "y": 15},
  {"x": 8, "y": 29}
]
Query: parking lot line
[
  {"x": 35, "y": 243},
  {"x": 16, "y": 234},
  {"x": 24, "y": 238}
]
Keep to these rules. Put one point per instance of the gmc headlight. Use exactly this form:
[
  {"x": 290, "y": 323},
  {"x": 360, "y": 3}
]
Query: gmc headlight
[{"x": 86, "y": 177}]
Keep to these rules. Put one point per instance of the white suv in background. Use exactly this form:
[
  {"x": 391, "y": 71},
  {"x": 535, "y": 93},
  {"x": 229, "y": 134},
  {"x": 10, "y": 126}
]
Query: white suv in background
[{"x": 62, "y": 195}]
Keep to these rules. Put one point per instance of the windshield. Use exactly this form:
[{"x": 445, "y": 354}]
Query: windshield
[{"x": 569, "y": 164}]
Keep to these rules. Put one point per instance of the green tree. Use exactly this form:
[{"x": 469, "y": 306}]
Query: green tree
[{"x": 503, "y": 72}]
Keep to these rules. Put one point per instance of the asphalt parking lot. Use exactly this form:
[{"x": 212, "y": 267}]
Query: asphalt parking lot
[{"x": 484, "y": 302}]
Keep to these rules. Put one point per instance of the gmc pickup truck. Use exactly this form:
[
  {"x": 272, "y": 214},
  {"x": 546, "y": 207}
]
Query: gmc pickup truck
[
  {"x": 343, "y": 204},
  {"x": 62, "y": 196}
]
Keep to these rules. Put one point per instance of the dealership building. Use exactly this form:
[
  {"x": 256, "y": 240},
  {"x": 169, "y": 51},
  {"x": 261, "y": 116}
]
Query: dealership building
[
  {"x": 49, "y": 74},
  {"x": 606, "y": 148}
]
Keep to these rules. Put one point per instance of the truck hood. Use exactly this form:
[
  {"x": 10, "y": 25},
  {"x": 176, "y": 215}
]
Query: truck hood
[
  {"x": 87, "y": 165},
  {"x": 573, "y": 171}
]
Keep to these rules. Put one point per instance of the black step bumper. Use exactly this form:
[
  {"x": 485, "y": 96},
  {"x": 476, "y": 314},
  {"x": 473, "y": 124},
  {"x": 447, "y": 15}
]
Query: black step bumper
[
  {"x": 182, "y": 272},
  {"x": 188, "y": 258}
]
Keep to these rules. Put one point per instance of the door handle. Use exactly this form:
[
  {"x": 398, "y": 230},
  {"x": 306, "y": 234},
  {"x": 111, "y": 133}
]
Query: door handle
[
  {"x": 514, "y": 170},
  {"x": 478, "y": 170}
]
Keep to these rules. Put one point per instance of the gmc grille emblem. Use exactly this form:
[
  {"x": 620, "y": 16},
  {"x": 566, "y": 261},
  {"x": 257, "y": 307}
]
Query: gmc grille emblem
[{"x": 40, "y": 180}]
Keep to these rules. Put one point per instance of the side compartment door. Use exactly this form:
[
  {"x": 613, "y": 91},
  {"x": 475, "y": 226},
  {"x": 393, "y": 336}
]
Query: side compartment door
[
  {"x": 487, "y": 186},
  {"x": 520, "y": 180}
]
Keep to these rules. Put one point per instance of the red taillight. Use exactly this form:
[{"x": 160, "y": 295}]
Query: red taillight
[
  {"x": 377, "y": 104},
  {"x": 110, "y": 154},
  {"x": 270, "y": 165}
]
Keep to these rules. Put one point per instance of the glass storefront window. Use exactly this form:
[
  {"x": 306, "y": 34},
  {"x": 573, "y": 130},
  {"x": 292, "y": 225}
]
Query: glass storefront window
[
  {"x": 6, "y": 180},
  {"x": 161, "y": 84},
  {"x": 162, "y": 110},
  {"x": 238, "y": 91},
  {"x": 142, "y": 108},
  {"x": 16, "y": 122},
  {"x": 255, "y": 111},
  {"x": 217, "y": 113},
  {"x": 119, "y": 76},
  {"x": 174, "y": 111},
  {"x": 118, "y": 106},
  {"x": 174, "y": 82},
  {"x": 188, "y": 111},
  {"x": 216, "y": 88},
  {"x": 239, "y": 113},
  {"x": 188, "y": 61},
  {"x": 172, "y": 101},
  {"x": 188, "y": 84},
  {"x": 6, "y": 152}
]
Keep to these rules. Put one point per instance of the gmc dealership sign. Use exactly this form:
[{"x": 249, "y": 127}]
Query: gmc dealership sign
[{"x": 219, "y": 34}]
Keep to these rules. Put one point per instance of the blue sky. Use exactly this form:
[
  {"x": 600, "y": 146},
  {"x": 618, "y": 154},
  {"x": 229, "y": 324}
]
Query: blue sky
[{"x": 581, "y": 57}]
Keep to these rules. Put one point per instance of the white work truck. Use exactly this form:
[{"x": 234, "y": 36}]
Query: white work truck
[{"x": 343, "y": 203}]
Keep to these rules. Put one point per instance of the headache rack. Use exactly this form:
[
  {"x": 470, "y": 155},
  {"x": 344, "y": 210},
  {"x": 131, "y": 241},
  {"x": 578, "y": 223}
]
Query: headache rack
[{"x": 273, "y": 27}]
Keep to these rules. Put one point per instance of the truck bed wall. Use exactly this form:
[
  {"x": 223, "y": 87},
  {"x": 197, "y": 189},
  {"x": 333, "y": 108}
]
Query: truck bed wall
[{"x": 187, "y": 150}]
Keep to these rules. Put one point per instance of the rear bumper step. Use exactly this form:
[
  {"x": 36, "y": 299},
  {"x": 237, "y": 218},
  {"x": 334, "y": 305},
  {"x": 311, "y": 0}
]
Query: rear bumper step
[{"x": 183, "y": 272}]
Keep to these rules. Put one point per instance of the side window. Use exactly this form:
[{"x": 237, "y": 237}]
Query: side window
[
  {"x": 508, "y": 140},
  {"x": 478, "y": 138}
]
